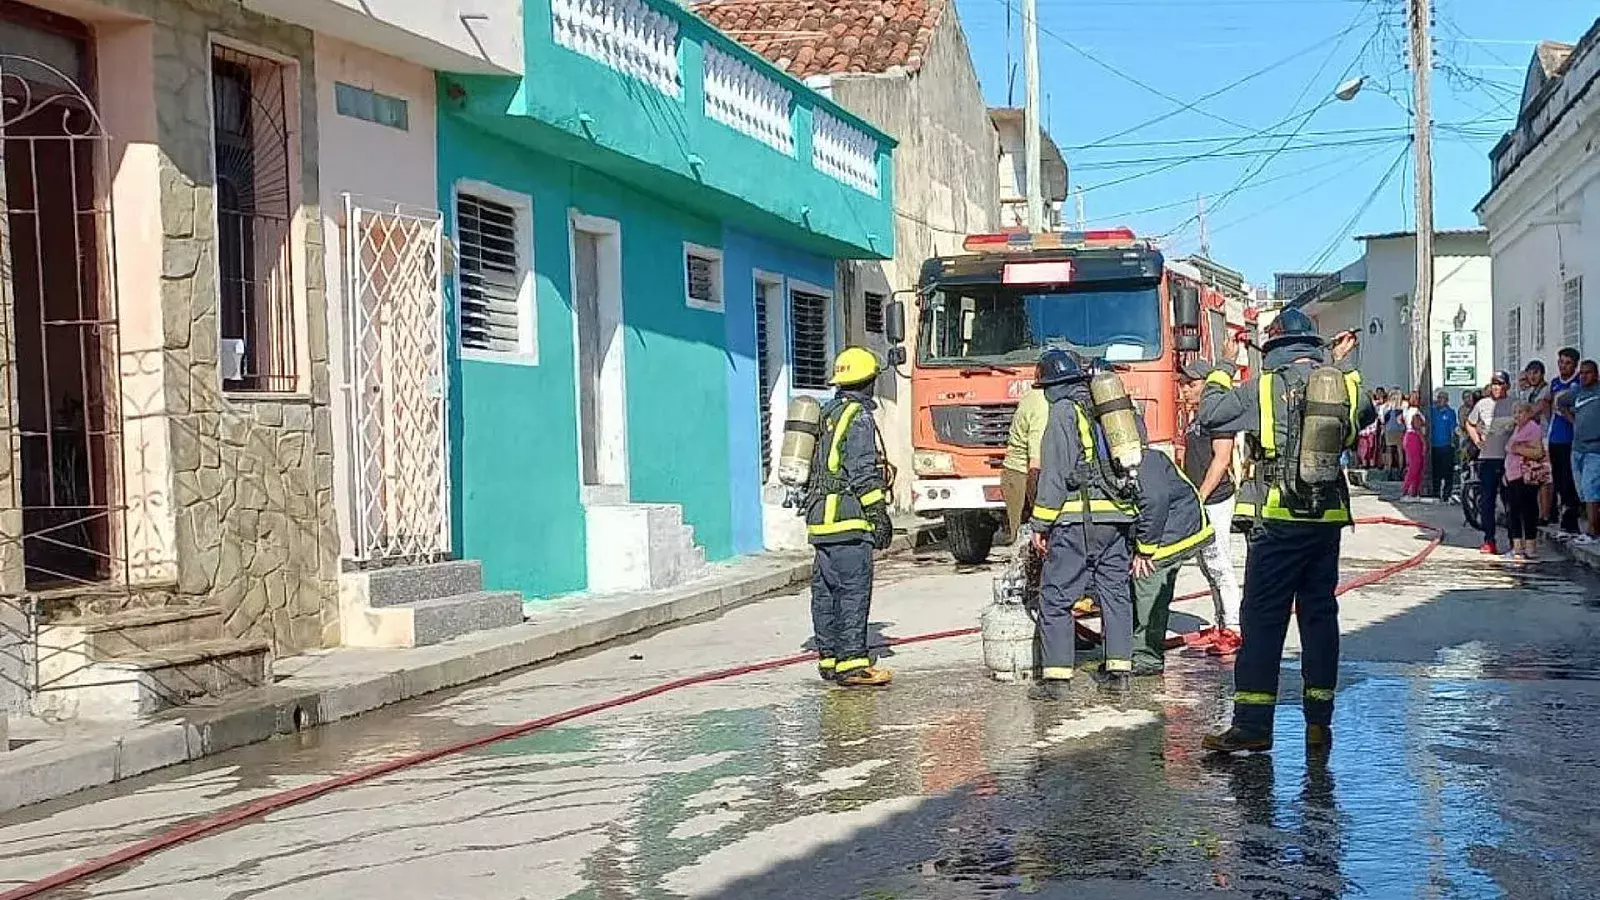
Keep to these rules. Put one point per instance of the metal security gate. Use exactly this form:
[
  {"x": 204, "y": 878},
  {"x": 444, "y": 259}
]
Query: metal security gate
[
  {"x": 59, "y": 324},
  {"x": 394, "y": 325}
]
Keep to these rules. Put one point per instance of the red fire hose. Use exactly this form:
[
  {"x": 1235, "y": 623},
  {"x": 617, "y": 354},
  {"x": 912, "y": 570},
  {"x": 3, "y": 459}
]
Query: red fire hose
[{"x": 245, "y": 811}]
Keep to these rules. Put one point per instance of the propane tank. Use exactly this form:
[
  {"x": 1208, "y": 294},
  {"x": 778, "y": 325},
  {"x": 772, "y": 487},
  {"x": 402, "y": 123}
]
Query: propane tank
[
  {"x": 1324, "y": 429},
  {"x": 1008, "y": 630},
  {"x": 801, "y": 428},
  {"x": 1114, "y": 410}
]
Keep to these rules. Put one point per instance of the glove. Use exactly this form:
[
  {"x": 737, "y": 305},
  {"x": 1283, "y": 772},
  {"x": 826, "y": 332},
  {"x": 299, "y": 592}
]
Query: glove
[{"x": 882, "y": 526}]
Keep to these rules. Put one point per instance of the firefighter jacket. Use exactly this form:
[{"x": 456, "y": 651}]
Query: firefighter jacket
[
  {"x": 1259, "y": 408},
  {"x": 1171, "y": 521},
  {"x": 848, "y": 494},
  {"x": 1073, "y": 487}
]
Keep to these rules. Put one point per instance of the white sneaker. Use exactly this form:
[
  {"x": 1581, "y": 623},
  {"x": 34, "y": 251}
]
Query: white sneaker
[
  {"x": 1563, "y": 536},
  {"x": 1585, "y": 540}
]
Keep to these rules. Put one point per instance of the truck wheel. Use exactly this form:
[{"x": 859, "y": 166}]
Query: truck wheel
[{"x": 970, "y": 536}]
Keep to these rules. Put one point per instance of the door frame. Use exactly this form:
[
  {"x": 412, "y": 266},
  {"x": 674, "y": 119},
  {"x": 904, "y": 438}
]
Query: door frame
[
  {"x": 777, "y": 326},
  {"x": 612, "y": 455}
]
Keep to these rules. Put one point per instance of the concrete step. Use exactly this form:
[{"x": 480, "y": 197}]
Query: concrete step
[
  {"x": 404, "y": 585},
  {"x": 639, "y": 547},
  {"x": 142, "y": 684},
  {"x": 140, "y": 631},
  {"x": 435, "y": 621},
  {"x": 427, "y": 621}
]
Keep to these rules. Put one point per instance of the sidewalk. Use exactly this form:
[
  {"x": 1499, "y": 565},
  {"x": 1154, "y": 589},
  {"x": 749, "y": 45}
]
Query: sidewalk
[
  {"x": 53, "y": 760},
  {"x": 1588, "y": 555}
]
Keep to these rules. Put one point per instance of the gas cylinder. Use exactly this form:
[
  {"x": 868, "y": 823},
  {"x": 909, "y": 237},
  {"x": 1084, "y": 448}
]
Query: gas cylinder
[
  {"x": 801, "y": 426},
  {"x": 1114, "y": 410},
  {"x": 1006, "y": 627},
  {"x": 1325, "y": 428}
]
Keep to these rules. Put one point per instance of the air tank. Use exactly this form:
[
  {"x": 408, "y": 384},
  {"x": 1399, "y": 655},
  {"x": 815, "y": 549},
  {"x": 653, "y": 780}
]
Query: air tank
[
  {"x": 1325, "y": 428},
  {"x": 1114, "y": 410},
  {"x": 1007, "y": 629},
  {"x": 801, "y": 426}
]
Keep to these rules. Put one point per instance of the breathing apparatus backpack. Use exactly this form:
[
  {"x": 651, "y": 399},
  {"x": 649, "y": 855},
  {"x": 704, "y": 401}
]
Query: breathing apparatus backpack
[{"x": 1316, "y": 428}]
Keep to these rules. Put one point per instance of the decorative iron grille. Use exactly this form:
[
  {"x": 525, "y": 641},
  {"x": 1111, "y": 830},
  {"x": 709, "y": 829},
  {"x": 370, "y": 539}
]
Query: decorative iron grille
[{"x": 394, "y": 318}]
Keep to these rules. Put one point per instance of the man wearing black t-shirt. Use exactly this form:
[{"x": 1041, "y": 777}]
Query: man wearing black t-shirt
[{"x": 1208, "y": 462}]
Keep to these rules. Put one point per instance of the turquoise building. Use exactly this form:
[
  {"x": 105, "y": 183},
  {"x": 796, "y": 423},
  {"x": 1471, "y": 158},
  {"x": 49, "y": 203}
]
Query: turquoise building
[{"x": 646, "y": 230}]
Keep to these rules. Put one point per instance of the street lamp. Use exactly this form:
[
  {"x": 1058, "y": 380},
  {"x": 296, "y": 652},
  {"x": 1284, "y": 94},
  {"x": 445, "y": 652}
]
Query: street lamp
[{"x": 1349, "y": 89}]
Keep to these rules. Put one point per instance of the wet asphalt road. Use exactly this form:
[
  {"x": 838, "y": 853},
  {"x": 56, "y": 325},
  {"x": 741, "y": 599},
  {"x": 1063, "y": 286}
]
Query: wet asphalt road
[{"x": 1466, "y": 766}]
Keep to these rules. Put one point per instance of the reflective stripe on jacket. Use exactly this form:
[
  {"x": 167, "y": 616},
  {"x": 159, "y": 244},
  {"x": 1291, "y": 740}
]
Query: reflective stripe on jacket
[
  {"x": 1171, "y": 521},
  {"x": 845, "y": 476},
  {"x": 1266, "y": 499},
  {"x": 1066, "y": 448}
]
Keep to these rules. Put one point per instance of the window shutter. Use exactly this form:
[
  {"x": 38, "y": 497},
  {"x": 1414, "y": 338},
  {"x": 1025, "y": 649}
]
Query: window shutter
[
  {"x": 490, "y": 275},
  {"x": 1572, "y": 312},
  {"x": 873, "y": 311},
  {"x": 1538, "y": 324},
  {"x": 703, "y": 288},
  {"x": 764, "y": 382},
  {"x": 809, "y": 340},
  {"x": 1514, "y": 339}
]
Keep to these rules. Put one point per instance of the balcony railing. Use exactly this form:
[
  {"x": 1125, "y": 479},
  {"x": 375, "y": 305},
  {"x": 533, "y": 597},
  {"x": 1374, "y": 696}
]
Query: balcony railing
[{"x": 740, "y": 89}]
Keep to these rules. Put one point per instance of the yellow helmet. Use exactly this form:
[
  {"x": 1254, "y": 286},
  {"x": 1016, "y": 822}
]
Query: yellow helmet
[{"x": 854, "y": 365}]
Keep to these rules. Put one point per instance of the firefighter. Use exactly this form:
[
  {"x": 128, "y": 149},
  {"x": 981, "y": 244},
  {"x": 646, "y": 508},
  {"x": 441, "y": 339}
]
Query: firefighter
[
  {"x": 1298, "y": 416},
  {"x": 1081, "y": 525},
  {"x": 847, "y": 519},
  {"x": 1171, "y": 528}
]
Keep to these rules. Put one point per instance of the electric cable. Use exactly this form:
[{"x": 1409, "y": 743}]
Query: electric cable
[{"x": 1350, "y": 223}]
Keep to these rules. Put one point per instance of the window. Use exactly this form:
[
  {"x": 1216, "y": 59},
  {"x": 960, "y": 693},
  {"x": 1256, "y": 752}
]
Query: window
[
  {"x": 1538, "y": 324},
  {"x": 1514, "y": 339},
  {"x": 494, "y": 274},
  {"x": 1217, "y": 326},
  {"x": 1119, "y": 321},
  {"x": 702, "y": 277},
  {"x": 766, "y": 372},
  {"x": 371, "y": 106},
  {"x": 809, "y": 342},
  {"x": 872, "y": 311},
  {"x": 250, "y": 136},
  {"x": 1572, "y": 312}
]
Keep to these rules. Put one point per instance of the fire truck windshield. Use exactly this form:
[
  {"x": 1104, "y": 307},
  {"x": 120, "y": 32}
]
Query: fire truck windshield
[{"x": 992, "y": 323}]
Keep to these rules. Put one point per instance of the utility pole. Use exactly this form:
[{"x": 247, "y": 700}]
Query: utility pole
[
  {"x": 1030, "y": 120},
  {"x": 1083, "y": 224},
  {"x": 1205, "y": 237},
  {"x": 1421, "y": 15}
]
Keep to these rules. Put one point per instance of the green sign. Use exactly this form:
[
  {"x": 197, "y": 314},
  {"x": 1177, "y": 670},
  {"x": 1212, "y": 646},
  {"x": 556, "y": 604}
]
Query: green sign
[{"x": 1460, "y": 359}]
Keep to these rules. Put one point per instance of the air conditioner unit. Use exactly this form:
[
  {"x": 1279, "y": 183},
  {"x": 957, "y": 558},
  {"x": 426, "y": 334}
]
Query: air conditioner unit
[{"x": 231, "y": 361}]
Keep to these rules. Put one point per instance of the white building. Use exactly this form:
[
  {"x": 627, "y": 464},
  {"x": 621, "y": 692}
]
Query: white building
[
  {"x": 1010, "y": 126},
  {"x": 1543, "y": 209},
  {"x": 1374, "y": 294}
]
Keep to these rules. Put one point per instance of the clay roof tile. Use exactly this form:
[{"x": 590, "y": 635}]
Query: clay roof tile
[{"x": 809, "y": 37}]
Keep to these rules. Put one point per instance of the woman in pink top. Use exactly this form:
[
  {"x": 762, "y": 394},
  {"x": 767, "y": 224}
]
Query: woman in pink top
[
  {"x": 1415, "y": 423},
  {"x": 1526, "y": 471}
]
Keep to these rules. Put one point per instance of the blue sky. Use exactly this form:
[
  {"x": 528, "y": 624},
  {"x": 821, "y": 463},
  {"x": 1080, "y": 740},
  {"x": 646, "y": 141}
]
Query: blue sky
[{"x": 1290, "y": 175}]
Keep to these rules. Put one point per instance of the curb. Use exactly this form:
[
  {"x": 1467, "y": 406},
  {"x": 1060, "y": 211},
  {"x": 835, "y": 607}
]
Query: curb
[
  {"x": 1588, "y": 556},
  {"x": 343, "y": 683}
]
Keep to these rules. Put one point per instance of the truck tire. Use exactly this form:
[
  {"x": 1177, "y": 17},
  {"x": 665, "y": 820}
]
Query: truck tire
[{"x": 970, "y": 536}]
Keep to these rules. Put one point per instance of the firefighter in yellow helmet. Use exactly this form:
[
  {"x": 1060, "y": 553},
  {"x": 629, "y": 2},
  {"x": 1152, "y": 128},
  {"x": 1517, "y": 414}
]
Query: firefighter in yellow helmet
[{"x": 847, "y": 518}]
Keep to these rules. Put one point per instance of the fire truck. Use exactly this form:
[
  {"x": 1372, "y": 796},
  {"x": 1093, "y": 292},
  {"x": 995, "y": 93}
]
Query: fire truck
[{"x": 986, "y": 315}]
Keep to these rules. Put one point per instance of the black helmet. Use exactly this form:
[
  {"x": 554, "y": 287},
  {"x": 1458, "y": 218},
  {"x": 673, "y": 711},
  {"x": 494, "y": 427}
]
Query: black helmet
[
  {"x": 1290, "y": 326},
  {"x": 1057, "y": 366}
]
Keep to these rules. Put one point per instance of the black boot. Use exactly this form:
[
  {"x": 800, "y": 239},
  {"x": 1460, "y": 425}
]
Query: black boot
[
  {"x": 1319, "y": 738},
  {"x": 1116, "y": 683},
  {"x": 1051, "y": 690},
  {"x": 1237, "y": 740}
]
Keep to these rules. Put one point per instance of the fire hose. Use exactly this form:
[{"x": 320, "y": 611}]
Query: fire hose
[{"x": 262, "y": 806}]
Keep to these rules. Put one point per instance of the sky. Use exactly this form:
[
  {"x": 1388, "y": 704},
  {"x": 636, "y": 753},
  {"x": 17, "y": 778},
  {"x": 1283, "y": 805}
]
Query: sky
[{"x": 1288, "y": 174}]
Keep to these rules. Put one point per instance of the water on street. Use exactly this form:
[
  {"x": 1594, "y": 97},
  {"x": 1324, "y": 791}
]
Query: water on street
[{"x": 1465, "y": 765}]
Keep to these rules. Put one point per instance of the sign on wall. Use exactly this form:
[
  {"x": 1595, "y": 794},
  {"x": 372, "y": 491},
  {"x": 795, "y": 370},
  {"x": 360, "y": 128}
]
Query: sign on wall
[{"x": 1460, "y": 359}]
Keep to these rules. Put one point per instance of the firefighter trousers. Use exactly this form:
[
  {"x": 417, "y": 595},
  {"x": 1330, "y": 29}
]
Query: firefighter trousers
[
  {"x": 1085, "y": 561},
  {"x": 1291, "y": 566},
  {"x": 841, "y": 600}
]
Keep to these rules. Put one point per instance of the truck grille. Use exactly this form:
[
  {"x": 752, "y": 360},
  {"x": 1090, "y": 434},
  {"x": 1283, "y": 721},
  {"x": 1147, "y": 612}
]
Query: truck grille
[{"x": 987, "y": 425}]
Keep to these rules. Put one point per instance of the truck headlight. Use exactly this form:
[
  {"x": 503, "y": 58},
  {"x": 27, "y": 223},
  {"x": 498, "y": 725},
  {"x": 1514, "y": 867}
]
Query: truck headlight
[{"x": 933, "y": 462}]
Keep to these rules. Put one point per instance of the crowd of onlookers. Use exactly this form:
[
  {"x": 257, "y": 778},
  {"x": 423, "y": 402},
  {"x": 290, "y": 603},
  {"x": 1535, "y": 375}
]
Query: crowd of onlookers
[{"x": 1536, "y": 442}]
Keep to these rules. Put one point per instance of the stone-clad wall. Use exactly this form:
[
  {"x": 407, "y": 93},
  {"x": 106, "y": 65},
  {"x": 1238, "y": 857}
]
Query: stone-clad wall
[{"x": 252, "y": 477}]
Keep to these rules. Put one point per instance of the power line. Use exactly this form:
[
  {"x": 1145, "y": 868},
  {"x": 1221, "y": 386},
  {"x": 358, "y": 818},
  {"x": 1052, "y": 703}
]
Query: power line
[
  {"x": 1350, "y": 223},
  {"x": 1125, "y": 76},
  {"x": 1105, "y": 141},
  {"x": 1268, "y": 152}
]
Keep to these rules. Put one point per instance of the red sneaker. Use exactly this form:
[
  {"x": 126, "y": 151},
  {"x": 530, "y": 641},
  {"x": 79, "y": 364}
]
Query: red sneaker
[
  {"x": 1489, "y": 548},
  {"x": 1226, "y": 643}
]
